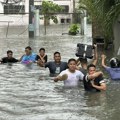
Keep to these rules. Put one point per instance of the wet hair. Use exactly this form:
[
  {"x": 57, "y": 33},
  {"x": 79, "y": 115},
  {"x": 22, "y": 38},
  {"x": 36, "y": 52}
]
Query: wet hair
[
  {"x": 90, "y": 65},
  {"x": 9, "y": 51},
  {"x": 119, "y": 63},
  {"x": 56, "y": 53},
  {"x": 72, "y": 59},
  {"x": 114, "y": 63},
  {"x": 28, "y": 47},
  {"x": 42, "y": 49},
  {"x": 83, "y": 60}
]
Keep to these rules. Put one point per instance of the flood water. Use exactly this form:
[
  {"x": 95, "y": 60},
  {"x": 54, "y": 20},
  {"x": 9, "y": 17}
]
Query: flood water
[{"x": 28, "y": 93}]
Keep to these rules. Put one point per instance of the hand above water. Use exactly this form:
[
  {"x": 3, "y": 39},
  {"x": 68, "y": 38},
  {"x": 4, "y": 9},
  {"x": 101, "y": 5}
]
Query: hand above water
[
  {"x": 61, "y": 78},
  {"x": 103, "y": 56},
  {"x": 95, "y": 45}
]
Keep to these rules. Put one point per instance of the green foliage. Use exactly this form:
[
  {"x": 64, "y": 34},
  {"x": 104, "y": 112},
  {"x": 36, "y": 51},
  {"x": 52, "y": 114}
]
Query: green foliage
[
  {"x": 74, "y": 29},
  {"x": 49, "y": 9},
  {"x": 105, "y": 12},
  {"x": 89, "y": 20}
]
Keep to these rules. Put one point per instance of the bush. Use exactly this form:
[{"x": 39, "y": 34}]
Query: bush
[{"x": 74, "y": 29}]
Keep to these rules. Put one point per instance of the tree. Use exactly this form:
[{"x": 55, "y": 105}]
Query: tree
[
  {"x": 105, "y": 12},
  {"x": 109, "y": 10},
  {"x": 49, "y": 9}
]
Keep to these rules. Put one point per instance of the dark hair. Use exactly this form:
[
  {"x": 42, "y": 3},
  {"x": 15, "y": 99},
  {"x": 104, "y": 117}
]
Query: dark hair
[
  {"x": 9, "y": 51},
  {"x": 90, "y": 65},
  {"x": 72, "y": 59},
  {"x": 42, "y": 49},
  {"x": 119, "y": 63},
  {"x": 83, "y": 60},
  {"x": 28, "y": 47},
  {"x": 56, "y": 53},
  {"x": 114, "y": 62}
]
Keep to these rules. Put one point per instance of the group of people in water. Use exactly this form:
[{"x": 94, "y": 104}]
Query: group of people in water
[{"x": 72, "y": 72}]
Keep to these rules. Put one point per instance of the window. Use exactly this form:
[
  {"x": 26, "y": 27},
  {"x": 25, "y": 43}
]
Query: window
[
  {"x": 38, "y": 7},
  {"x": 62, "y": 20},
  {"x": 65, "y": 8},
  {"x": 68, "y": 20},
  {"x": 14, "y": 9}
]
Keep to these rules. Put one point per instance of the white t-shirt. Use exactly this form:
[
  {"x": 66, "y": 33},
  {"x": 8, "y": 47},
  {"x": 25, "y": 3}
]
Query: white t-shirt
[{"x": 73, "y": 78}]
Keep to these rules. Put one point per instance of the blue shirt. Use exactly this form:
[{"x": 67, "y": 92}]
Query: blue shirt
[
  {"x": 113, "y": 72},
  {"x": 27, "y": 58}
]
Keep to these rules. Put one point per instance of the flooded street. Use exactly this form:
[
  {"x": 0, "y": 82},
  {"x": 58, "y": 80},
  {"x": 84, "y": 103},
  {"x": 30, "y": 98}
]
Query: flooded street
[{"x": 28, "y": 93}]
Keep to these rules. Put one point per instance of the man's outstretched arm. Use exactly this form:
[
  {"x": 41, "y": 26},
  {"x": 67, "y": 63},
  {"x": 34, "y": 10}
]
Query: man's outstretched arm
[{"x": 103, "y": 60}]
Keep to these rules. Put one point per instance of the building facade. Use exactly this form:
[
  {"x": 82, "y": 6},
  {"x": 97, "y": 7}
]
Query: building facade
[{"x": 17, "y": 11}]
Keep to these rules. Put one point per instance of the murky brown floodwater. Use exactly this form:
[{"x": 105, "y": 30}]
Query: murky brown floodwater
[{"x": 28, "y": 93}]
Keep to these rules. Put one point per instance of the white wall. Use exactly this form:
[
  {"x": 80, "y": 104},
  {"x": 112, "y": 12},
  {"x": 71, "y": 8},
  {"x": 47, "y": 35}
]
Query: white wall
[
  {"x": 23, "y": 19},
  {"x": 15, "y": 19},
  {"x": 1, "y": 8}
]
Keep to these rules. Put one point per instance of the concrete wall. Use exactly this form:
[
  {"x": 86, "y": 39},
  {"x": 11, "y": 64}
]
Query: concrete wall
[
  {"x": 23, "y": 19},
  {"x": 15, "y": 19}
]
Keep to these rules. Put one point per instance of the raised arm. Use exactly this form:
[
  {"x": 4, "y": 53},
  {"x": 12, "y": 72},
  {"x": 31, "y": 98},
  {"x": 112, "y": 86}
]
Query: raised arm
[
  {"x": 103, "y": 60},
  {"x": 78, "y": 62},
  {"x": 95, "y": 58}
]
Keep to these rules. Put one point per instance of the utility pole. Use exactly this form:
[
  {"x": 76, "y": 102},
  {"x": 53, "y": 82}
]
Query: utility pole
[
  {"x": 31, "y": 18},
  {"x": 73, "y": 15},
  {"x": 36, "y": 23},
  {"x": 83, "y": 23}
]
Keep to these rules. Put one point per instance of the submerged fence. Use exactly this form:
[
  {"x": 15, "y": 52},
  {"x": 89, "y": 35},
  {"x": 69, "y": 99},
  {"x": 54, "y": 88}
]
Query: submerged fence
[{"x": 10, "y": 23}]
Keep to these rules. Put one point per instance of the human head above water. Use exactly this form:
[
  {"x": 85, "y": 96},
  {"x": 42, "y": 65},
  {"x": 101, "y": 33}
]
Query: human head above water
[
  {"x": 9, "y": 53},
  {"x": 56, "y": 53},
  {"x": 28, "y": 47},
  {"x": 114, "y": 62},
  {"x": 28, "y": 50},
  {"x": 72, "y": 64},
  {"x": 72, "y": 60},
  {"x": 42, "y": 51},
  {"x": 57, "y": 57},
  {"x": 91, "y": 68}
]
